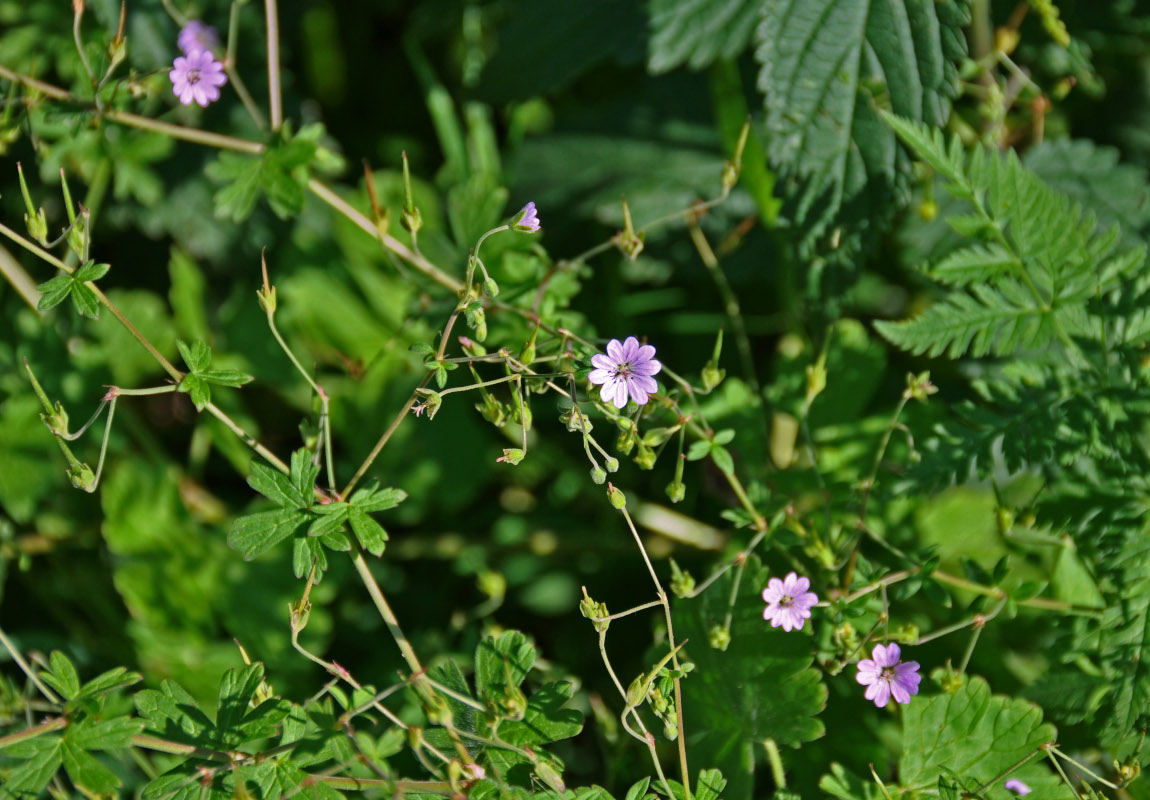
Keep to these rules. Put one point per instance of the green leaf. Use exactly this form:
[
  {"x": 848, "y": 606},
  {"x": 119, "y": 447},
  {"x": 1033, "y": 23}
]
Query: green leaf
[
  {"x": 370, "y": 533},
  {"x": 732, "y": 713},
  {"x": 107, "y": 734},
  {"x": 91, "y": 271},
  {"x": 235, "y": 692},
  {"x": 710, "y": 785},
  {"x": 255, "y": 534},
  {"x": 987, "y": 321},
  {"x": 332, "y": 518},
  {"x": 502, "y": 660},
  {"x": 303, "y": 474},
  {"x": 54, "y": 292},
  {"x": 546, "y": 719},
  {"x": 34, "y": 774},
  {"x": 277, "y": 487},
  {"x": 723, "y": 460},
  {"x": 84, "y": 300},
  {"x": 197, "y": 389},
  {"x": 828, "y": 67},
  {"x": 372, "y": 498},
  {"x": 976, "y": 734},
  {"x": 698, "y": 450},
  {"x": 242, "y": 175},
  {"x": 973, "y": 264},
  {"x": 116, "y": 678},
  {"x": 697, "y": 32},
  {"x": 226, "y": 377},
  {"x": 62, "y": 675},
  {"x": 85, "y": 771},
  {"x": 173, "y": 713}
]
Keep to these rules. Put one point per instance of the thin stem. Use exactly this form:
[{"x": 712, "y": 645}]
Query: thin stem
[
  {"x": 375, "y": 451},
  {"x": 629, "y": 611},
  {"x": 195, "y": 135},
  {"x": 181, "y": 749},
  {"x": 275, "y": 96},
  {"x": 77, "y": 16},
  {"x": 233, "y": 73},
  {"x": 1084, "y": 768},
  {"x": 1016, "y": 765},
  {"x": 23, "y": 665},
  {"x": 384, "y": 609},
  {"x": 71, "y": 437},
  {"x": 776, "y": 762},
  {"x": 47, "y": 726},
  {"x": 484, "y": 384},
  {"x": 1058, "y": 767},
  {"x": 104, "y": 444},
  {"x": 970, "y": 649}
]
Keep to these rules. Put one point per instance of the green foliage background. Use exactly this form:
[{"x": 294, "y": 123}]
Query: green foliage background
[{"x": 909, "y": 201}]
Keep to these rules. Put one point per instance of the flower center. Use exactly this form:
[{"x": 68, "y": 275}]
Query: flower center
[
  {"x": 787, "y": 601},
  {"x": 193, "y": 76},
  {"x": 623, "y": 370},
  {"x": 888, "y": 674}
]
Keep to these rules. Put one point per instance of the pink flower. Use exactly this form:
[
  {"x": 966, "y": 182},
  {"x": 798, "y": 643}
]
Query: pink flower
[
  {"x": 884, "y": 675},
  {"x": 627, "y": 369},
  {"x": 526, "y": 220},
  {"x": 197, "y": 36},
  {"x": 788, "y": 602},
  {"x": 1017, "y": 786},
  {"x": 197, "y": 76}
]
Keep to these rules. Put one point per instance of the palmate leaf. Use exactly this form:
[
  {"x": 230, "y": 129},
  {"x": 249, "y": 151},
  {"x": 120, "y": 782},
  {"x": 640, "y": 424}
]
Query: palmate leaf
[
  {"x": 500, "y": 661},
  {"x": 762, "y": 685},
  {"x": 698, "y": 32},
  {"x": 976, "y": 736},
  {"x": 827, "y": 67}
]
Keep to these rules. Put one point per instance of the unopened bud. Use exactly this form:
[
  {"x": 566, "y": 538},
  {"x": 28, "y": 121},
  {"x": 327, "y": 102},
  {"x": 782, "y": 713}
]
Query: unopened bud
[
  {"x": 611, "y": 463},
  {"x": 719, "y": 637},
  {"x": 599, "y": 475},
  {"x": 490, "y": 287},
  {"x": 82, "y": 477},
  {"x": 57, "y": 421},
  {"x": 617, "y": 498},
  {"x": 682, "y": 582},
  {"x": 511, "y": 455},
  {"x": 676, "y": 491}
]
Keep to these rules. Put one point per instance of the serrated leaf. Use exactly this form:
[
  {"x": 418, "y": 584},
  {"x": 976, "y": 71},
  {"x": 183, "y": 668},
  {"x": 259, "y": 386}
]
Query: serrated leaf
[
  {"x": 173, "y": 713},
  {"x": 84, "y": 299},
  {"x": 332, "y": 518},
  {"x": 303, "y": 474},
  {"x": 973, "y": 264},
  {"x": 828, "y": 67},
  {"x": 116, "y": 678},
  {"x": 373, "y": 499},
  {"x": 255, "y": 534},
  {"x": 371, "y": 535},
  {"x": 977, "y": 735},
  {"x": 91, "y": 271},
  {"x": 277, "y": 487},
  {"x": 698, "y": 32},
  {"x": 54, "y": 292},
  {"x": 86, "y": 771},
  {"x": 197, "y": 389},
  {"x": 499, "y": 660},
  {"x": 237, "y": 688},
  {"x": 62, "y": 675},
  {"x": 34, "y": 774},
  {"x": 197, "y": 357},
  {"x": 106, "y": 734},
  {"x": 546, "y": 720}
]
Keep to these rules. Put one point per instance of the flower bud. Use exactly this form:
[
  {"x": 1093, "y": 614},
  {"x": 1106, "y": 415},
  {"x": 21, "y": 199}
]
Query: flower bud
[
  {"x": 596, "y": 612},
  {"x": 82, "y": 477},
  {"x": 719, "y": 637},
  {"x": 550, "y": 776},
  {"x": 512, "y": 455},
  {"x": 267, "y": 297},
  {"x": 670, "y": 731},
  {"x": 598, "y": 474},
  {"x": 57, "y": 421},
  {"x": 626, "y": 442},
  {"x": 471, "y": 348},
  {"x": 919, "y": 387},
  {"x": 431, "y": 403},
  {"x": 656, "y": 436},
  {"x": 617, "y": 498},
  {"x": 512, "y": 703},
  {"x": 645, "y": 458},
  {"x": 637, "y": 692},
  {"x": 611, "y": 463},
  {"x": 682, "y": 582},
  {"x": 490, "y": 287},
  {"x": 78, "y": 235},
  {"x": 676, "y": 491}
]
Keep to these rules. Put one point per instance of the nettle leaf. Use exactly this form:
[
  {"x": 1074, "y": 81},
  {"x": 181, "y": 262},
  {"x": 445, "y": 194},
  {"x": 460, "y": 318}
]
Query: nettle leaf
[
  {"x": 500, "y": 662},
  {"x": 698, "y": 32},
  {"x": 976, "y": 735},
  {"x": 732, "y": 710},
  {"x": 828, "y": 66},
  {"x": 546, "y": 719}
]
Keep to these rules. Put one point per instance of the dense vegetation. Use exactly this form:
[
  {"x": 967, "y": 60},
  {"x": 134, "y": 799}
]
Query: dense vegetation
[{"x": 859, "y": 511}]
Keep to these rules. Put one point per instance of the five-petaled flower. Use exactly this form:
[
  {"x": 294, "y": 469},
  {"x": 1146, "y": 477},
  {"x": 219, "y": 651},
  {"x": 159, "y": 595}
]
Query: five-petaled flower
[
  {"x": 789, "y": 602},
  {"x": 198, "y": 36},
  {"x": 1017, "y": 786},
  {"x": 884, "y": 675},
  {"x": 627, "y": 369},
  {"x": 197, "y": 76},
  {"x": 527, "y": 220}
]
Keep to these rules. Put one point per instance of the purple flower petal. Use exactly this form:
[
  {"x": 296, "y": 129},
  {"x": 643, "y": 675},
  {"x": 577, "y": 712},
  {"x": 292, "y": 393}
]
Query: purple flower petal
[
  {"x": 607, "y": 393},
  {"x": 620, "y": 394},
  {"x": 630, "y": 348},
  {"x": 644, "y": 353},
  {"x": 647, "y": 368},
  {"x": 638, "y": 394},
  {"x": 615, "y": 351},
  {"x": 602, "y": 362},
  {"x": 1017, "y": 786}
]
